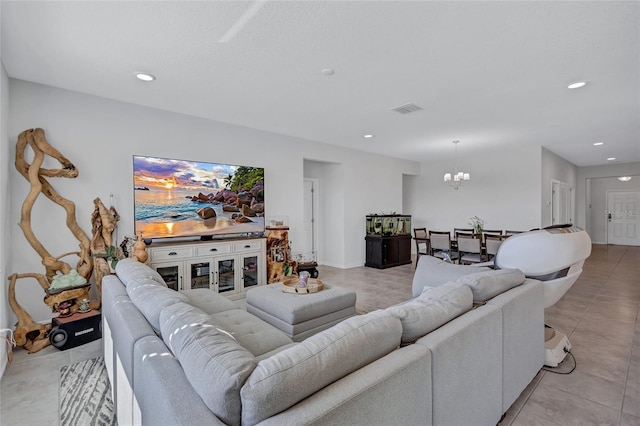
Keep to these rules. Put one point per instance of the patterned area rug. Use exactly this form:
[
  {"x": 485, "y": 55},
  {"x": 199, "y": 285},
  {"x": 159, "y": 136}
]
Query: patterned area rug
[{"x": 85, "y": 394}]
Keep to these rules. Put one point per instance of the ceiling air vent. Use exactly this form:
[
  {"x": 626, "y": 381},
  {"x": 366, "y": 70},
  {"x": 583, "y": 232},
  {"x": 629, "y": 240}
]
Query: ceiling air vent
[{"x": 407, "y": 108}]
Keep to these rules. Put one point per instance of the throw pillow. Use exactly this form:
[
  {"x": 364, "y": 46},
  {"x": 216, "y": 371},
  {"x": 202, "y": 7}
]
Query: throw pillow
[
  {"x": 214, "y": 363},
  {"x": 151, "y": 298},
  {"x": 293, "y": 374},
  {"x": 433, "y": 272},
  {"x": 488, "y": 284},
  {"x": 130, "y": 270},
  {"x": 434, "y": 307}
]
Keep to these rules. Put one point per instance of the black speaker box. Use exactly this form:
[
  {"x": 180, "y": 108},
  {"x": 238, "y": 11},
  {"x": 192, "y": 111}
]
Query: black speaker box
[{"x": 76, "y": 330}]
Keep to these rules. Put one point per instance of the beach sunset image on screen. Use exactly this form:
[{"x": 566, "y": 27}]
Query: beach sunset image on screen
[{"x": 181, "y": 198}]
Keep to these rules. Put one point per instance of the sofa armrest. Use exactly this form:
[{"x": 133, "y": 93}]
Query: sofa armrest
[
  {"x": 162, "y": 391},
  {"x": 395, "y": 389},
  {"x": 466, "y": 360},
  {"x": 522, "y": 337}
]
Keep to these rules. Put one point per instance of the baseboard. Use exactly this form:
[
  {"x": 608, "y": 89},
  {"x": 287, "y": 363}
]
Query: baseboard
[
  {"x": 598, "y": 242},
  {"x": 5, "y": 348},
  {"x": 357, "y": 265},
  {"x": 3, "y": 362}
]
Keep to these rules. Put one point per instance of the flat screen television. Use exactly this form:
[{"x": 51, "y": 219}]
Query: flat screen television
[{"x": 181, "y": 198}]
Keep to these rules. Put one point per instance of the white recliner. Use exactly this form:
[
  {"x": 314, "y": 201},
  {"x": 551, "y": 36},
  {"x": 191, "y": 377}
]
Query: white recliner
[{"x": 554, "y": 255}]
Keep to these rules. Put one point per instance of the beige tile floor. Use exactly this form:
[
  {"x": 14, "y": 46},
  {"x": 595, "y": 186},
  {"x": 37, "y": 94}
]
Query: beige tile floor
[
  {"x": 29, "y": 388},
  {"x": 600, "y": 314}
]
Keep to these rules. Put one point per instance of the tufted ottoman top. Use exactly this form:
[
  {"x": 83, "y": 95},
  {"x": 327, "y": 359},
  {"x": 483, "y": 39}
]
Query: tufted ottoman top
[{"x": 295, "y": 308}]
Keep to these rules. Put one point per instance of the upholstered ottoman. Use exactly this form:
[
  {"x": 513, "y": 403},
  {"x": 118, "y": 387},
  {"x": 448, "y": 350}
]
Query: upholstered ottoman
[{"x": 301, "y": 315}]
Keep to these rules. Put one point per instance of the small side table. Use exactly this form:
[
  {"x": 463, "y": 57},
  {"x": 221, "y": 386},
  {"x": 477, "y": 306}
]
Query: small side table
[{"x": 76, "y": 329}]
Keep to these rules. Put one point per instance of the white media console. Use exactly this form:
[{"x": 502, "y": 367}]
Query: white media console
[{"x": 229, "y": 266}]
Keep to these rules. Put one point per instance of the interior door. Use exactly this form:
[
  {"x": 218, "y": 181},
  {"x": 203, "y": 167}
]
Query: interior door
[
  {"x": 309, "y": 244},
  {"x": 560, "y": 203},
  {"x": 623, "y": 219}
]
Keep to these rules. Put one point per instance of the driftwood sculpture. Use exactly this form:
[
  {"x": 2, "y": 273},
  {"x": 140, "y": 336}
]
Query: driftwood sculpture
[
  {"x": 32, "y": 335},
  {"x": 28, "y": 333},
  {"x": 103, "y": 223},
  {"x": 33, "y": 172}
]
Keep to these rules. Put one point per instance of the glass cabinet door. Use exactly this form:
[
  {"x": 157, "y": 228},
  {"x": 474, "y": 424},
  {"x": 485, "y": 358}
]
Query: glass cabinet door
[
  {"x": 225, "y": 275},
  {"x": 250, "y": 270},
  {"x": 199, "y": 275},
  {"x": 171, "y": 273}
]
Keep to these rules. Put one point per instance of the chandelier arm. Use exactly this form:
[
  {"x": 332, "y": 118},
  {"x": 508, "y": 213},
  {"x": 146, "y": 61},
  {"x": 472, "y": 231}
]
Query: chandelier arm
[{"x": 457, "y": 178}]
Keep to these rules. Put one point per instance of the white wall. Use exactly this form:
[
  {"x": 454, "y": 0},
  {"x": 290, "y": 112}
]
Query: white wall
[
  {"x": 583, "y": 198},
  {"x": 504, "y": 190},
  {"x": 100, "y": 136},
  {"x": 343, "y": 207},
  {"x": 366, "y": 196},
  {"x": 598, "y": 206},
  {"x": 5, "y": 253},
  {"x": 556, "y": 168}
]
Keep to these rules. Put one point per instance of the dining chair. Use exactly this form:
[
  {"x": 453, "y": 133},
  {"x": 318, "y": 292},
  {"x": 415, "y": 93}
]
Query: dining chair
[
  {"x": 511, "y": 232},
  {"x": 492, "y": 244},
  {"x": 467, "y": 230},
  {"x": 440, "y": 245},
  {"x": 454, "y": 242},
  {"x": 422, "y": 242},
  {"x": 469, "y": 248},
  {"x": 492, "y": 231}
]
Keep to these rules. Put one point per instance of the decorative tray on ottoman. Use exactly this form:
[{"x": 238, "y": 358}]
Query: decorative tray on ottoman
[{"x": 290, "y": 285}]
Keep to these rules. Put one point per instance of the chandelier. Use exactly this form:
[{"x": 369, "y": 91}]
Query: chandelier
[{"x": 456, "y": 178}]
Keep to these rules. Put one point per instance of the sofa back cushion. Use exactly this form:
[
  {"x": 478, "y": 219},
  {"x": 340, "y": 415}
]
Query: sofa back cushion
[
  {"x": 293, "y": 374},
  {"x": 214, "y": 363},
  {"x": 130, "y": 270},
  {"x": 434, "y": 307},
  {"x": 151, "y": 297},
  {"x": 486, "y": 285},
  {"x": 433, "y": 272}
]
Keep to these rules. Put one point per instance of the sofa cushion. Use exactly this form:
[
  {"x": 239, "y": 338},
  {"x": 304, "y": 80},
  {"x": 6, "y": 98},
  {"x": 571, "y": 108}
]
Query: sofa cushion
[
  {"x": 432, "y": 272},
  {"x": 214, "y": 363},
  {"x": 130, "y": 270},
  {"x": 209, "y": 301},
  {"x": 293, "y": 374},
  {"x": 434, "y": 307},
  {"x": 488, "y": 284},
  {"x": 151, "y": 298},
  {"x": 252, "y": 333}
]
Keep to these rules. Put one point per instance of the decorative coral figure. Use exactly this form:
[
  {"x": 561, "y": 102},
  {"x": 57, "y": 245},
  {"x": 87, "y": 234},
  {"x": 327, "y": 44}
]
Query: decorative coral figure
[{"x": 140, "y": 250}]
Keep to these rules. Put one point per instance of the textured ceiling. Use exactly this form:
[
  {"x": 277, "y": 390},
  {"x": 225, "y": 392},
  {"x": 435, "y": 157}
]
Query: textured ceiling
[{"x": 490, "y": 74}]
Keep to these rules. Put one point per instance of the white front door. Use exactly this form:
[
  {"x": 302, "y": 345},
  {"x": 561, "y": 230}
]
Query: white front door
[{"x": 623, "y": 218}]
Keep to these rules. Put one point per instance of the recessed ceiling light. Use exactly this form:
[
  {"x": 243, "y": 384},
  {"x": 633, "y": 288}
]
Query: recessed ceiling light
[
  {"x": 577, "y": 84},
  {"x": 145, "y": 77},
  {"x": 611, "y": 158},
  {"x": 327, "y": 72},
  {"x": 598, "y": 143},
  {"x": 367, "y": 136},
  {"x": 624, "y": 178}
]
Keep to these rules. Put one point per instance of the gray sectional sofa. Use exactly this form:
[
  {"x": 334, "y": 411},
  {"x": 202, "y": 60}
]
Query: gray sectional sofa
[{"x": 459, "y": 353}]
